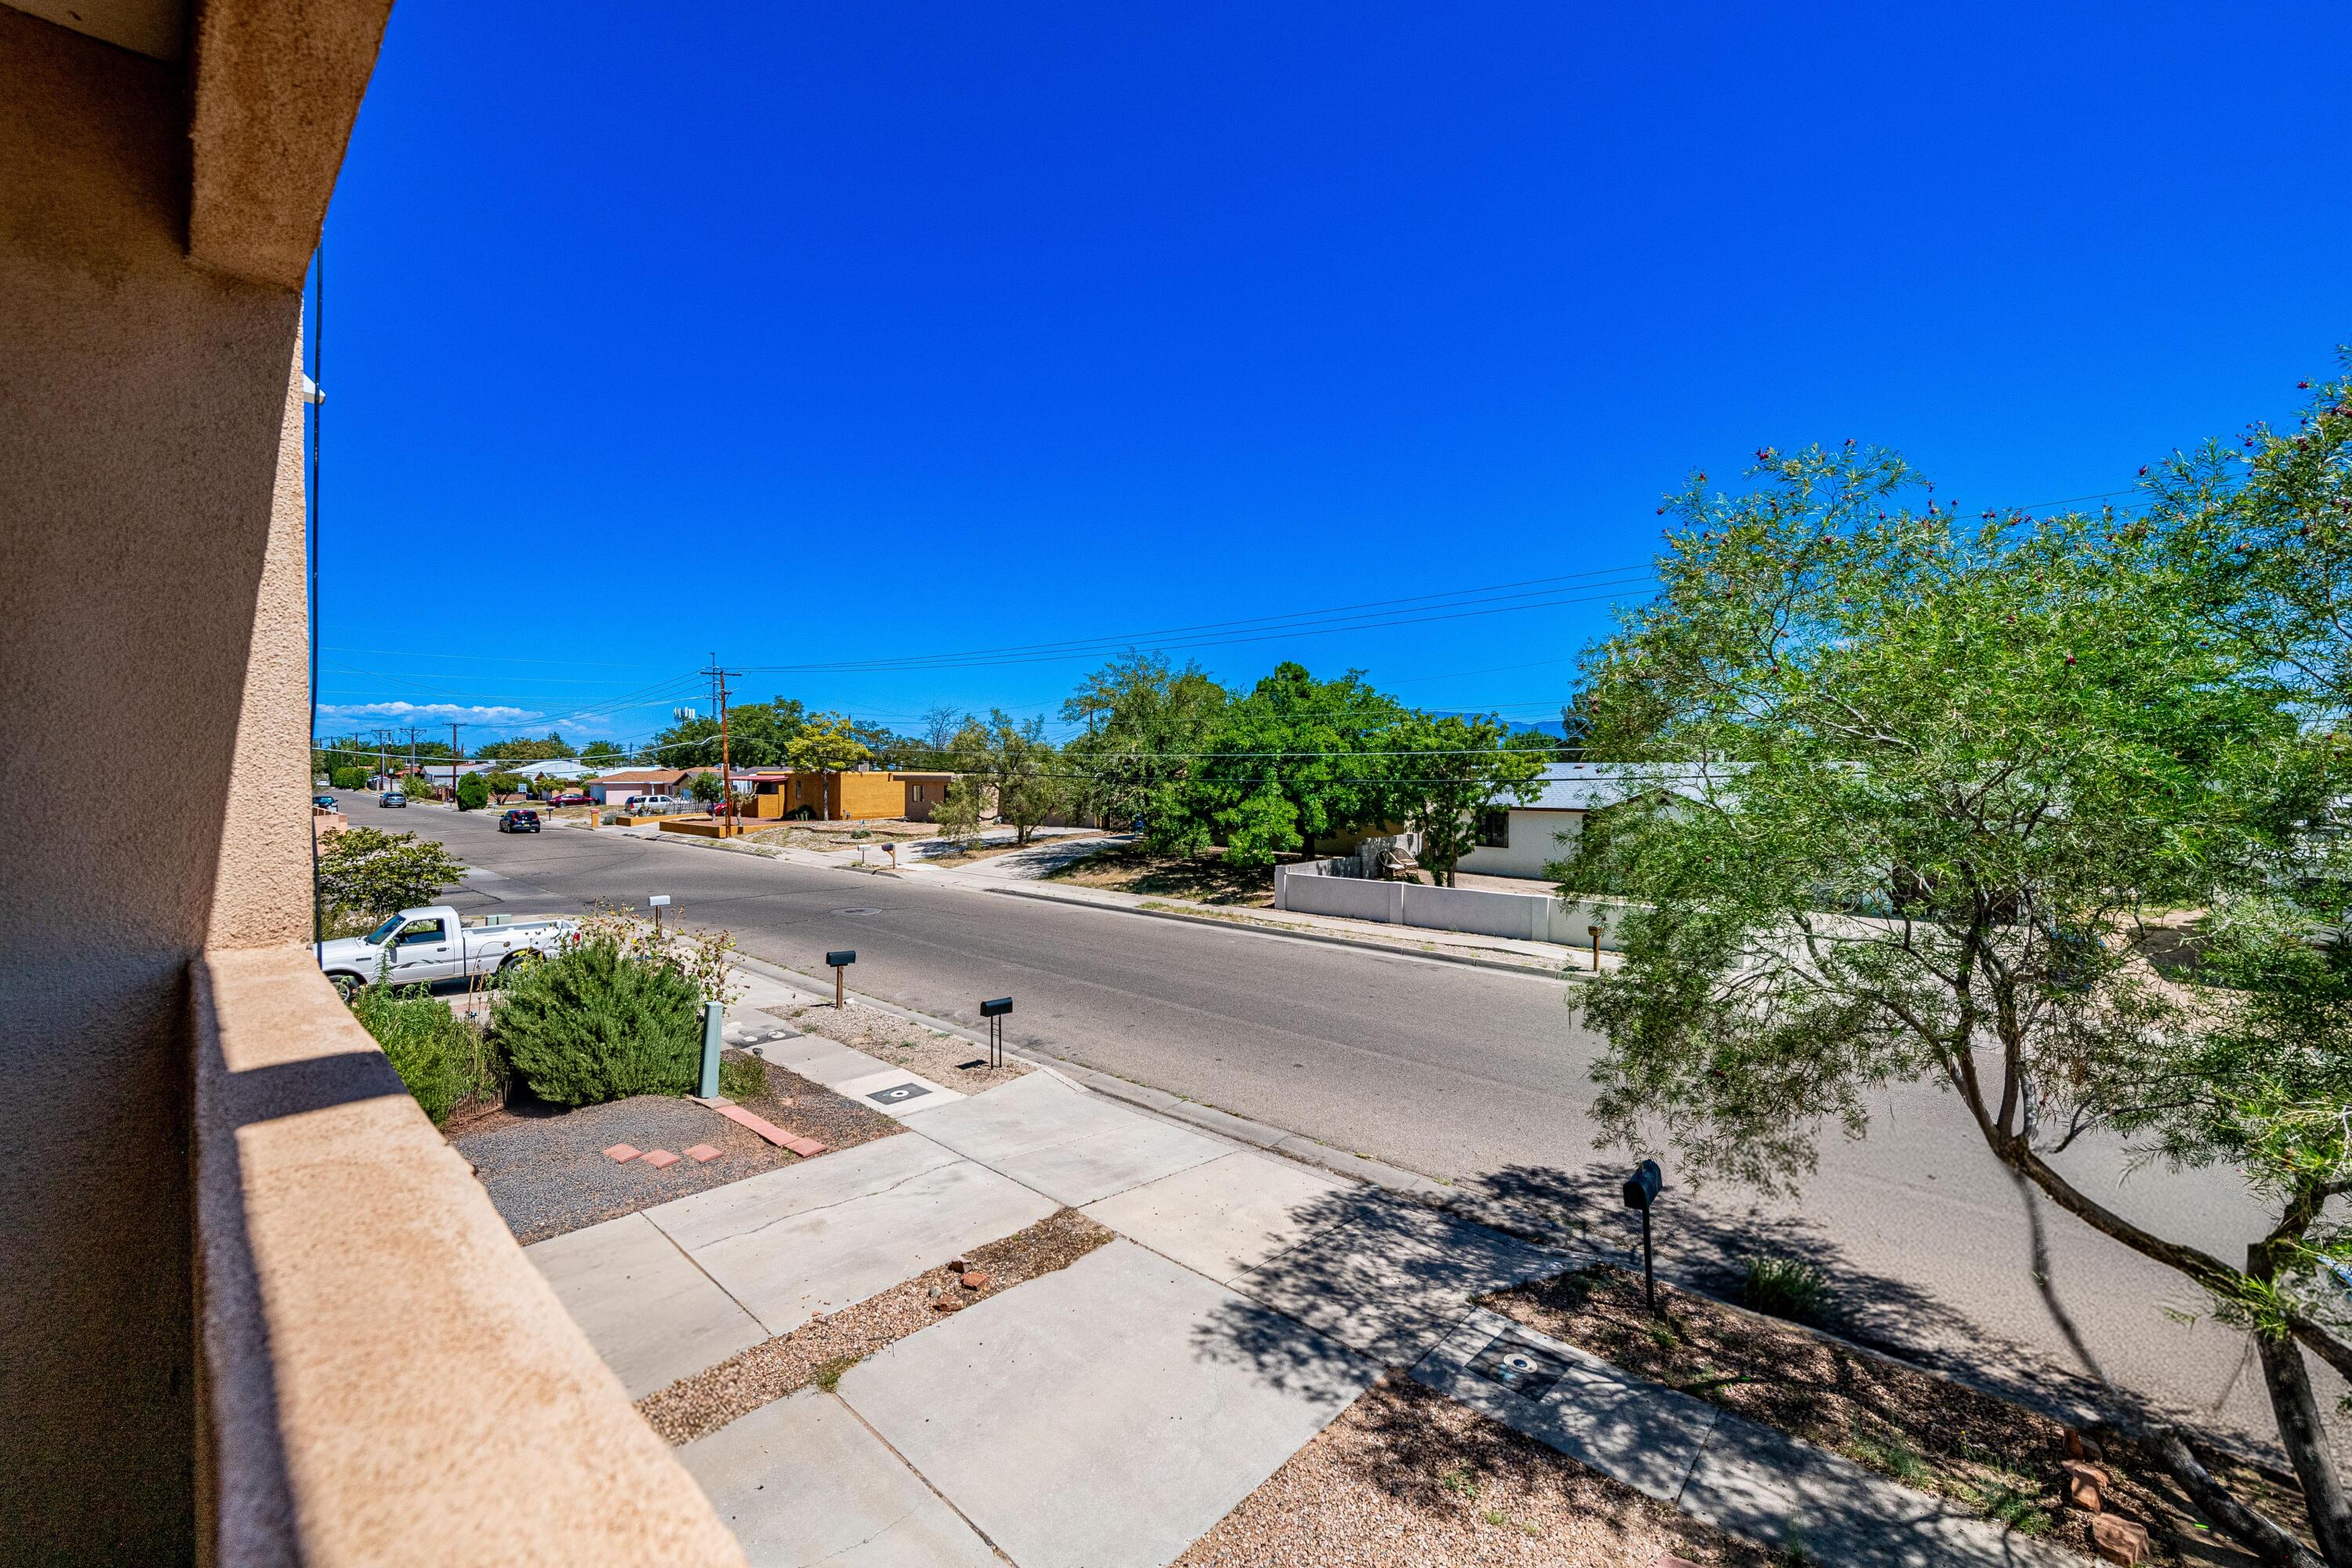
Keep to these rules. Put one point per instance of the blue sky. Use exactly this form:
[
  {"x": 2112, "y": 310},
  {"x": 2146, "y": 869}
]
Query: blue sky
[{"x": 828, "y": 335}]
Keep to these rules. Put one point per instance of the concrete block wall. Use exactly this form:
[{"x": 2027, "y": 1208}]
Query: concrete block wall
[{"x": 1313, "y": 888}]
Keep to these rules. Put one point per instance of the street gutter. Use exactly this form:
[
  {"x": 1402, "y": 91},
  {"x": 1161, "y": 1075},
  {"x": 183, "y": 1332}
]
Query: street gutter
[
  {"x": 1394, "y": 1179},
  {"x": 1243, "y": 922}
]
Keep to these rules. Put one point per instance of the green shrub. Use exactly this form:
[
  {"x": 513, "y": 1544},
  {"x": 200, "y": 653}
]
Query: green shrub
[
  {"x": 473, "y": 793},
  {"x": 742, "y": 1078},
  {"x": 1786, "y": 1288},
  {"x": 592, "y": 1024},
  {"x": 442, "y": 1058}
]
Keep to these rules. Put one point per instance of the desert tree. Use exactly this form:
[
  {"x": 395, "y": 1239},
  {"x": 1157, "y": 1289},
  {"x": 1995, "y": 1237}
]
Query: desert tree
[{"x": 1951, "y": 788}]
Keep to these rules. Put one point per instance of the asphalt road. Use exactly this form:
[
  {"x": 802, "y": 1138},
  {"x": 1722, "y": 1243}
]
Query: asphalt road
[{"x": 1473, "y": 1076}]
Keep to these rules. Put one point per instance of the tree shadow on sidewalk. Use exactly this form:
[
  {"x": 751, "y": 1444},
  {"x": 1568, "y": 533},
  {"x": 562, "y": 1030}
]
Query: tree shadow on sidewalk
[{"x": 1707, "y": 1245}]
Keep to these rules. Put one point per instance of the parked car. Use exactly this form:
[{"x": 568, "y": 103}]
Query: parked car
[
  {"x": 571, "y": 797},
  {"x": 418, "y": 946},
  {"x": 656, "y": 805},
  {"x": 323, "y": 802},
  {"x": 390, "y": 797},
  {"x": 519, "y": 822}
]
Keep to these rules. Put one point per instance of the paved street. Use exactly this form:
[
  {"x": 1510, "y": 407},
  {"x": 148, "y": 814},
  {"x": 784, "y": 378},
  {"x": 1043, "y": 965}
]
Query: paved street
[{"x": 1469, "y": 1075}]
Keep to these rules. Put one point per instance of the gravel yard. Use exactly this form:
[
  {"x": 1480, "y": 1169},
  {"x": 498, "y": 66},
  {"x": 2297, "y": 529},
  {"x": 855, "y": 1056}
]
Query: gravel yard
[
  {"x": 1407, "y": 1478},
  {"x": 924, "y": 1052},
  {"x": 800, "y": 1105},
  {"x": 547, "y": 1173},
  {"x": 821, "y": 1350}
]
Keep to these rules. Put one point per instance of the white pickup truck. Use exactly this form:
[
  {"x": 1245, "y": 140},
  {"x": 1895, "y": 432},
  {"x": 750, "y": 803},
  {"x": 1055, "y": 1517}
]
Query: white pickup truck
[{"x": 416, "y": 947}]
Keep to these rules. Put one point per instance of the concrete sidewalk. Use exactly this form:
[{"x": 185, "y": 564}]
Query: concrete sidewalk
[{"x": 1108, "y": 1415}]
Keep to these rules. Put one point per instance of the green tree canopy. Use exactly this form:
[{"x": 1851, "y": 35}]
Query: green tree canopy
[
  {"x": 1447, "y": 771},
  {"x": 828, "y": 743},
  {"x": 1017, "y": 765},
  {"x": 380, "y": 874},
  {"x": 523, "y": 749},
  {"x": 1296, "y": 760},
  {"x": 1144, "y": 718},
  {"x": 1936, "y": 786},
  {"x": 601, "y": 754},
  {"x": 758, "y": 735},
  {"x": 473, "y": 792}
]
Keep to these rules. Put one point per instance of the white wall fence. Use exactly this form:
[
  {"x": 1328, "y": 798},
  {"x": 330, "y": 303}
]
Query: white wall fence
[{"x": 1328, "y": 887}]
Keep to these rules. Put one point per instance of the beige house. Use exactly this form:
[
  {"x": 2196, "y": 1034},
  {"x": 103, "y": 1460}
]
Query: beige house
[{"x": 256, "y": 1311}]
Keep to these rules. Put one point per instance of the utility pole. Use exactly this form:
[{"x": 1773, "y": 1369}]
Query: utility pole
[{"x": 725, "y": 770}]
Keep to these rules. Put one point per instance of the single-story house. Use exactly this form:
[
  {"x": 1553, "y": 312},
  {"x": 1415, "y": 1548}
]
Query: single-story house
[
  {"x": 860, "y": 795},
  {"x": 614, "y": 789},
  {"x": 1518, "y": 839}
]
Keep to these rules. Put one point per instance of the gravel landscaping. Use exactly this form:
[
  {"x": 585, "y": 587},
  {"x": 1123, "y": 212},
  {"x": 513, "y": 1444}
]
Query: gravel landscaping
[
  {"x": 803, "y": 1106},
  {"x": 547, "y": 1173},
  {"x": 899, "y": 1043},
  {"x": 823, "y": 1348},
  {"x": 1407, "y": 1478},
  {"x": 1994, "y": 1459}
]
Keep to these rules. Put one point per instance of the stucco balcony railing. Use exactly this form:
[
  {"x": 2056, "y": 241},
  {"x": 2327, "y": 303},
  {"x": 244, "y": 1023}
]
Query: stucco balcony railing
[{"x": 385, "y": 1379}]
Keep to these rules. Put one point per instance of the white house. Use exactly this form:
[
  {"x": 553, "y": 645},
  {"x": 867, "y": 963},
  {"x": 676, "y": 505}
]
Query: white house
[{"x": 1521, "y": 840}]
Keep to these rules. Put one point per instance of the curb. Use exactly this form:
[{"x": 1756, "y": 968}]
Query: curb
[
  {"x": 1393, "y": 1179},
  {"x": 1365, "y": 943}
]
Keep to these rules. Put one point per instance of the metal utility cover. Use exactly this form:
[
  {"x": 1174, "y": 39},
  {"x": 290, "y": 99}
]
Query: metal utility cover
[
  {"x": 1525, "y": 1369},
  {"x": 897, "y": 1092}
]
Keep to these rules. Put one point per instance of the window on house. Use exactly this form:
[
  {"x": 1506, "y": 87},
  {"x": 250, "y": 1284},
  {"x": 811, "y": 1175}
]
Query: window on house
[{"x": 1495, "y": 829}]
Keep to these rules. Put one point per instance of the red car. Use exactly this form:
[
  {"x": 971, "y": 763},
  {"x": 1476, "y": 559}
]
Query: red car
[{"x": 578, "y": 797}]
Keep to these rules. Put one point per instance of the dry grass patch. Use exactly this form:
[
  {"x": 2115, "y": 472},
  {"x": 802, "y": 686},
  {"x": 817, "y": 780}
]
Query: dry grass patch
[
  {"x": 1202, "y": 878},
  {"x": 820, "y": 1351}
]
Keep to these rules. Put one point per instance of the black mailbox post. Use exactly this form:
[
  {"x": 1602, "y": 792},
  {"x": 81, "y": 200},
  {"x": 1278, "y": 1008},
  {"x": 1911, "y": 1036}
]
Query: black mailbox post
[
  {"x": 995, "y": 1013},
  {"x": 1641, "y": 1192},
  {"x": 840, "y": 959}
]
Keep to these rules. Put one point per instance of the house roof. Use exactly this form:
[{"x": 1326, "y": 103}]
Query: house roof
[
  {"x": 642, "y": 775},
  {"x": 1590, "y": 786}
]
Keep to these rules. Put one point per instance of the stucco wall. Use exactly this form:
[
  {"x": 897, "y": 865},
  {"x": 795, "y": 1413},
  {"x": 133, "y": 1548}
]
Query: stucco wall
[
  {"x": 141, "y": 405},
  {"x": 1535, "y": 842}
]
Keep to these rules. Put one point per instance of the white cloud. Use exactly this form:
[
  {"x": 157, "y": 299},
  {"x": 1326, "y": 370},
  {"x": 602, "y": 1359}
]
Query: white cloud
[{"x": 335, "y": 713}]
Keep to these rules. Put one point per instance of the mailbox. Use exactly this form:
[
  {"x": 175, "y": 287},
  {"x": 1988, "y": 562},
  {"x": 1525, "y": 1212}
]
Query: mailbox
[
  {"x": 846, "y": 955},
  {"x": 1641, "y": 1192},
  {"x": 995, "y": 1013}
]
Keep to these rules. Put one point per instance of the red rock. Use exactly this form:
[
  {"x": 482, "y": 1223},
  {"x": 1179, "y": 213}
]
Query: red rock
[
  {"x": 974, "y": 1279},
  {"x": 948, "y": 1304},
  {"x": 620, "y": 1153},
  {"x": 661, "y": 1159},
  {"x": 959, "y": 1266},
  {"x": 1670, "y": 1561},
  {"x": 2119, "y": 1540},
  {"x": 2078, "y": 1447},
  {"x": 2084, "y": 1482}
]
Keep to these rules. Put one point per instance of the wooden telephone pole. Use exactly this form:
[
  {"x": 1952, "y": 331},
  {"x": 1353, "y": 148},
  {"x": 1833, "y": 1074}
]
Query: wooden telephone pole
[{"x": 728, "y": 826}]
